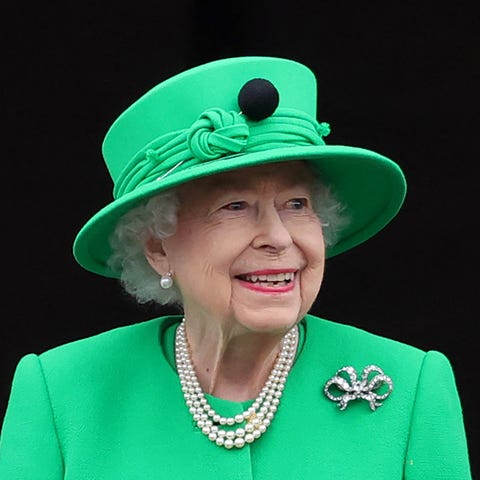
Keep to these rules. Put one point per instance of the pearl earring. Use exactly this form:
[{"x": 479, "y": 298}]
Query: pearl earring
[{"x": 166, "y": 280}]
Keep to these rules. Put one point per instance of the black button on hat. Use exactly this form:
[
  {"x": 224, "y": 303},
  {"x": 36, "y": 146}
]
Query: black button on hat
[{"x": 258, "y": 99}]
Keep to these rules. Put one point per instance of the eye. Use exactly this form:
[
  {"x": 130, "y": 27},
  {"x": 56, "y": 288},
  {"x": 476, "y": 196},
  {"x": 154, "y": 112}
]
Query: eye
[
  {"x": 297, "y": 203},
  {"x": 235, "y": 206}
]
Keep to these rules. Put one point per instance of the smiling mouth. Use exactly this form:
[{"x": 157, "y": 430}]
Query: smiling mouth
[{"x": 269, "y": 280}]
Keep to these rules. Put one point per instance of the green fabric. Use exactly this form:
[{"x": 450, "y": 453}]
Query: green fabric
[
  {"x": 190, "y": 126},
  {"x": 110, "y": 407}
]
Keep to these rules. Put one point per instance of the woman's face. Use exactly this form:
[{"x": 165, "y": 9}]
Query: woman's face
[{"x": 248, "y": 250}]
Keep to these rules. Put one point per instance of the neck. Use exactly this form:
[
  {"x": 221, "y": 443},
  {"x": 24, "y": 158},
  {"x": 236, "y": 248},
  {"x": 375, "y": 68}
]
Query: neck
[{"x": 232, "y": 365}]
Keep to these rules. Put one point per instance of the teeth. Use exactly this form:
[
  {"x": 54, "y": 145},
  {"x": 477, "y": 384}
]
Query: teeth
[{"x": 273, "y": 277}]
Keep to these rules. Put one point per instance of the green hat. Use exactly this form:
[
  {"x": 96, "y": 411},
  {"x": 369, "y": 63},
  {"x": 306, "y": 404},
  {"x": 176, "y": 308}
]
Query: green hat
[{"x": 226, "y": 115}]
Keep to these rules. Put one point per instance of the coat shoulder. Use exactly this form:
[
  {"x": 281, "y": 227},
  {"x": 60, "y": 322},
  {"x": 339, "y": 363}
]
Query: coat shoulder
[
  {"x": 126, "y": 344},
  {"x": 344, "y": 344}
]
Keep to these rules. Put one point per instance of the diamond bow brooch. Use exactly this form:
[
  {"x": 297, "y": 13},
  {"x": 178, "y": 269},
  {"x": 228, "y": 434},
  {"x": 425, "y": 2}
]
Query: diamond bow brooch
[{"x": 345, "y": 386}]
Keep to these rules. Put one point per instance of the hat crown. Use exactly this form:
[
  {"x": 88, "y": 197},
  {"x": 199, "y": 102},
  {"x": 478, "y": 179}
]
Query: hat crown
[{"x": 177, "y": 103}]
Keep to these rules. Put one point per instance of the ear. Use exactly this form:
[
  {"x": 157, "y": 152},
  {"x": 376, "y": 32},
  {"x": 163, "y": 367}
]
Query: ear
[{"x": 156, "y": 256}]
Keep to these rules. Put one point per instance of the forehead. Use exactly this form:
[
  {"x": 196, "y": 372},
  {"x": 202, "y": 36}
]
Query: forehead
[{"x": 280, "y": 175}]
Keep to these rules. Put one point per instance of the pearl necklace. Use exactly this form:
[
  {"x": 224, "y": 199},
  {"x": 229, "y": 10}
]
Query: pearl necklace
[{"x": 245, "y": 427}]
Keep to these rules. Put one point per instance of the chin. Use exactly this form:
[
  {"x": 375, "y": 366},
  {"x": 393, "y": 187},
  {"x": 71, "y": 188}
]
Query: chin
[{"x": 270, "y": 320}]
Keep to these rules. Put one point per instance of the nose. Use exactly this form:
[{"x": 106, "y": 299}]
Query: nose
[{"x": 272, "y": 234}]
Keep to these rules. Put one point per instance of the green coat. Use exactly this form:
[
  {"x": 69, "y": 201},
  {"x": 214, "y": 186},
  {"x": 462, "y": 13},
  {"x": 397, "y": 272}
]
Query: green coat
[{"x": 111, "y": 407}]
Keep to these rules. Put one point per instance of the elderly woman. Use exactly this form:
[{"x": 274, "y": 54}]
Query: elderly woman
[{"x": 227, "y": 204}]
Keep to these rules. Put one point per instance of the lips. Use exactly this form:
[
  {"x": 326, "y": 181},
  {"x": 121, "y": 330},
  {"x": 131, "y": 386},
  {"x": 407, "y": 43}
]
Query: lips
[
  {"x": 264, "y": 279},
  {"x": 273, "y": 278}
]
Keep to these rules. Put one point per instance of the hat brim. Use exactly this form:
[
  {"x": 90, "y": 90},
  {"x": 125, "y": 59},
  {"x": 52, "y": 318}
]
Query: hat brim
[{"x": 371, "y": 187}]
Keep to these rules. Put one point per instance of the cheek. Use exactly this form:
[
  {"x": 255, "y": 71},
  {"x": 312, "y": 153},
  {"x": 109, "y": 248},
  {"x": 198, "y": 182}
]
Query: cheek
[
  {"x": 315, "y": 254},
  {"x": 308, "y": 236},
  {"x": 313, "y": 249},
  {"x": 203, "y": 258}
]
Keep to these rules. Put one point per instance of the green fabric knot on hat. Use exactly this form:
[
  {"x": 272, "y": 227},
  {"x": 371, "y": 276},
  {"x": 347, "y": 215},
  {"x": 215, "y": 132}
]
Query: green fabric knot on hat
[
  {"x": 216, "y": 133},
  {"x": 323, "y": 129}
]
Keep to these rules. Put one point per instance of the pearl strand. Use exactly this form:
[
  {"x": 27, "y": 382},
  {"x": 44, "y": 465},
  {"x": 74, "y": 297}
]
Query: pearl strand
[{"x": 256, "y": 419}]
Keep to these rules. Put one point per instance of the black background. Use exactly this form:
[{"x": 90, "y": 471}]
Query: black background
[{"x": 400, "y": 78}]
